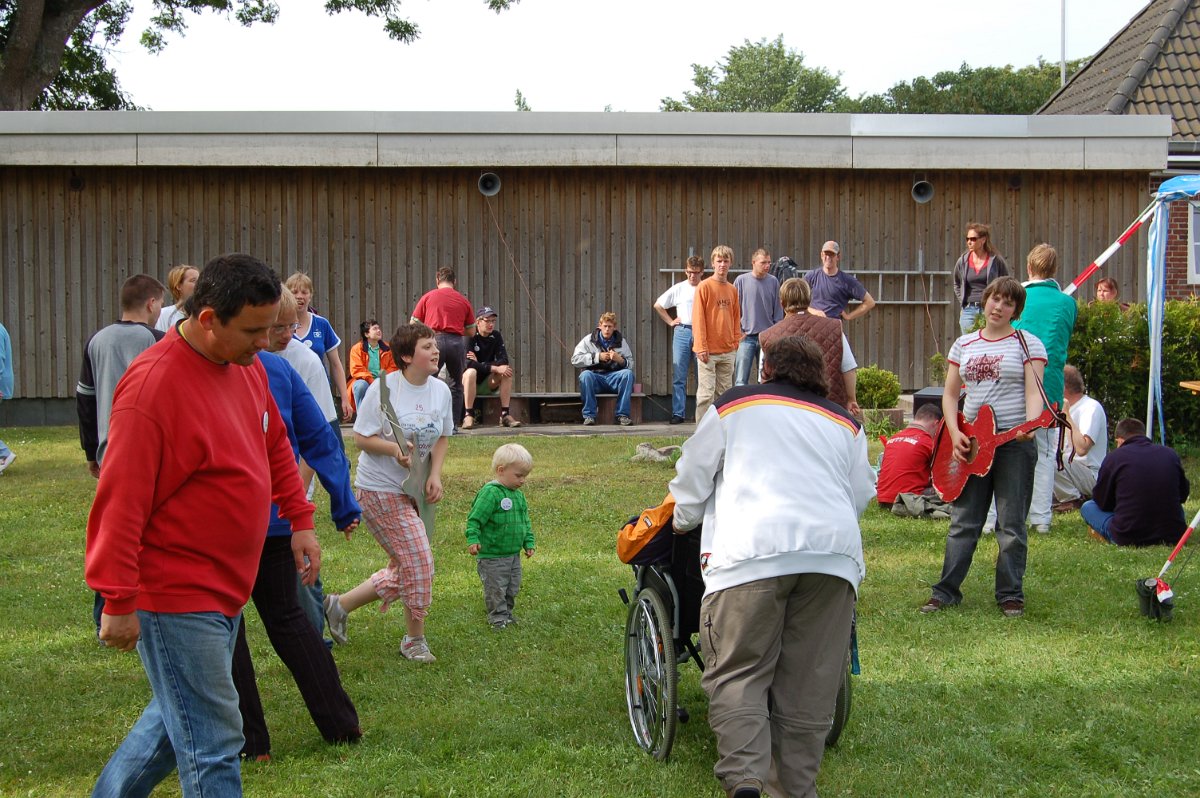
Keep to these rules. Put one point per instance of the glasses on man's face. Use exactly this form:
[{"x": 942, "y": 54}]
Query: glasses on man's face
[
  {"x": 973, "y": 238},
  {"x": 280, "y": 329}
]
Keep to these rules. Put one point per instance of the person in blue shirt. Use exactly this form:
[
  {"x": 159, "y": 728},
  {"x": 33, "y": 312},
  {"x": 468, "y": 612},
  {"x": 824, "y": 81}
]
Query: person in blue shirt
[
  {"x": 832, "y": 288},
  {"x": 6, "y": 389},
  {"x": 292, "y": 635}
]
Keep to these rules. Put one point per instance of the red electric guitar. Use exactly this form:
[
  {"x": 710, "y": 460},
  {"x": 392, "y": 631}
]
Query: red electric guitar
[{"x": 949, "y": 475}]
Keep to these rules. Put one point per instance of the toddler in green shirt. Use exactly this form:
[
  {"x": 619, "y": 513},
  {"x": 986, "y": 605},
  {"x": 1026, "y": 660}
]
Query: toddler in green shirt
[{"x": 498, "y": 529}]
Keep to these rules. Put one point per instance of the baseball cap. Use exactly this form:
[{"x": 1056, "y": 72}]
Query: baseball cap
[
  {"x": 486, "y": 312},
  {"x": 832, "y": 246}
]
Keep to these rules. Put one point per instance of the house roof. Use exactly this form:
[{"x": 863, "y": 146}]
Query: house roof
[
  {"x": 398, "y": 140},
  {"x": 1151, "y": 66}
]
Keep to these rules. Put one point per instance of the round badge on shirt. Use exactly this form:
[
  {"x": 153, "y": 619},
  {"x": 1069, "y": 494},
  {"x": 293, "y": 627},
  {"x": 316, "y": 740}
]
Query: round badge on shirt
[{"x": 506, "y": 503}]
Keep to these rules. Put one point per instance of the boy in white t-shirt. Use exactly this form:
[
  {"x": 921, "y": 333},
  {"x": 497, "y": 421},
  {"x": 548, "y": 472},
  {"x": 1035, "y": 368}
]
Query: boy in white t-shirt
[
  {"x": 1088, "y": 440},
  {"x": 421, "y": 410},
  {"x": 681, "y": 296}
]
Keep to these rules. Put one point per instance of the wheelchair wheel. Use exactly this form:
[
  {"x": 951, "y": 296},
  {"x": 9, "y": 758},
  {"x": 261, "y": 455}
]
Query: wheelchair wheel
[
  {"x": 841, "y": 710},
  {"x": 650, "y": 674}
]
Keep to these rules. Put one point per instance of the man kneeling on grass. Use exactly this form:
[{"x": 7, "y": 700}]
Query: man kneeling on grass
[{"x": 1139, "y": 495}]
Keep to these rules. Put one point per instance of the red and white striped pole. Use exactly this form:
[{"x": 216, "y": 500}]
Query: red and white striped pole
[{"x": 1108, "y": 253}]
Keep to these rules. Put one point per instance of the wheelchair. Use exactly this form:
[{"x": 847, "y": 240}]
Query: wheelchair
[{"x": 662, "y": 622}]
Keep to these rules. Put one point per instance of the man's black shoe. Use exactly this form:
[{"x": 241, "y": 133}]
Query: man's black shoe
[{"x": 676, "y": 420}]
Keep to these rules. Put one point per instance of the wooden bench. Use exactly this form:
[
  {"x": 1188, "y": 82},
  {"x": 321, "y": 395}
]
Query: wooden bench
[{"x": 555, "y": 408}]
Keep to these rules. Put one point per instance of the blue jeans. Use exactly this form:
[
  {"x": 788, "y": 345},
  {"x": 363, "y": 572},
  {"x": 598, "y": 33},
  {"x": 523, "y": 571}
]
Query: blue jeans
[
  {"x": 966, "y": 319},
  {"x": 682, "y": 358},
  {"x": 192, "y": 722},
  {"x": 312, "y": 600},
  {"x": 619, "y": 382},
  {"x": 4, "y": 450},
  {"x": 747, "y": 351},
  {"x": 359, "y": 389},
  {"x": 1011, "y": 483},
  {"x": 1097, "y": 519}
]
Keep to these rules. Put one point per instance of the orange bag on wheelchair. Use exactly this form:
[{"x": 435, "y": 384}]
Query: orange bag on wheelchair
[{"x": 647, "y": 538}]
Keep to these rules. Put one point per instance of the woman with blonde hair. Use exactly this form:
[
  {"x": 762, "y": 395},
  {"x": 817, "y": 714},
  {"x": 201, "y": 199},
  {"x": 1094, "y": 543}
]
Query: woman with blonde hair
[
  {"x": 317, "y": 334},
  {"x": 182, "y": 282},
  {"x": 841, "y": 369}
]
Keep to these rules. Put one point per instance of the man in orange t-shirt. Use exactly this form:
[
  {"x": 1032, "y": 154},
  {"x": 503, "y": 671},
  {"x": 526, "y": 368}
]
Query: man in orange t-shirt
[{"x": 716, "y": 331}]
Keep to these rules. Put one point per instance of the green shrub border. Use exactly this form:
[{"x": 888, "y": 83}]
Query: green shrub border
[{"x": 1111, "y": 349}]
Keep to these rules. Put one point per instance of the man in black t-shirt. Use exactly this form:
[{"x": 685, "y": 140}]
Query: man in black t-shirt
[{"x": 487, "y": 369}]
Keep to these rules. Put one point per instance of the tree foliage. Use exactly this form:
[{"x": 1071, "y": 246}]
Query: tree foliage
[
  {"x": 986, "y": 90},
  {"x": 52, "y": 54},
  {"x": 760, "y": 76},
  {"x": 769, "y": 76}
]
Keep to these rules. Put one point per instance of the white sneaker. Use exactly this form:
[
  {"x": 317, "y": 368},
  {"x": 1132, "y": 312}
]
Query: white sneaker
[
  {"x": 989, "y": 530},
  {"x": 416, "y": 649},
  {"x": 1042, "y": 529},
  {"x": 5, "y": 462},
  {"x": 335, "y": 616}
]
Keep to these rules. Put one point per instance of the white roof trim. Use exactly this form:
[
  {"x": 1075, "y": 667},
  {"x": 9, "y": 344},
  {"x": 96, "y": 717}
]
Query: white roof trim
[{"x": 391, "y": 139}]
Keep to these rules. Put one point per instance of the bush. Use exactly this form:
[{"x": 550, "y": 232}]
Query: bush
[
  {"x": 937, "y": 369},
  {"x": 877, "y": 388},
  {"x": 1112, "y": 351}
]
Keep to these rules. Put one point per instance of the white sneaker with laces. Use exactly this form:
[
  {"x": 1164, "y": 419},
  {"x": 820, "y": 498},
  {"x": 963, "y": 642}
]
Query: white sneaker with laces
[{"x": 416, "y": 649}]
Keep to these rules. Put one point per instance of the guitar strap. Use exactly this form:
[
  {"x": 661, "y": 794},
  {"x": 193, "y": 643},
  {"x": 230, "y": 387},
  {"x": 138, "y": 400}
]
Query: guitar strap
[{"x": 1061, "y": 419}]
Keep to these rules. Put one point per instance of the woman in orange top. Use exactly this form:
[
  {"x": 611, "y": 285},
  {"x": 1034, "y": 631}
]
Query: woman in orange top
[{"x": 369, "y": 358}]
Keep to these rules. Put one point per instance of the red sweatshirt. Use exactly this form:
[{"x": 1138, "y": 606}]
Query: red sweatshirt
[{"x": 196, "y": 453}]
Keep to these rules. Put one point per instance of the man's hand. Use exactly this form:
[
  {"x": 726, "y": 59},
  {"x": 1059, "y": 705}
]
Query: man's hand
[
  {"x": 94, "y": 468},
  {"x": 471, "y": 356},
  {"x": 347, "y": 407},
  {"x": 503, "y": 371},
  {"x": 474, "y": 548},
  {"x": 349, "y": 528},
  {"x": 702, "y": 357},
  {"x": 528, "y": 553},
  {"x": 120, "y": 631},
  {"x": 305, "y": 545}
]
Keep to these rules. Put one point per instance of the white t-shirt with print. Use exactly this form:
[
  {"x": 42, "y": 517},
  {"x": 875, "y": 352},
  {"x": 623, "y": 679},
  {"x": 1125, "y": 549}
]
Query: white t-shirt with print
[
  {"x": 425, "y": 414},
  {"x": 994, "y": 374}
]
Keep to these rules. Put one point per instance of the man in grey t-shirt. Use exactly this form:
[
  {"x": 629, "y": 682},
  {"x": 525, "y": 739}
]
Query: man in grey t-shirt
[
  {"x": 832, "y": 288},
  {"x": 758, "y": 295},
  {"x": 107, "y": 355}
]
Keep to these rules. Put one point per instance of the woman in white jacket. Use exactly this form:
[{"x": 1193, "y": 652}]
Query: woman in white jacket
[{"x": 779, "y": 477}]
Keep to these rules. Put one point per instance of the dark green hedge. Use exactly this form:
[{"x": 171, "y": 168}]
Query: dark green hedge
[{"x": 1112, "y": 351}]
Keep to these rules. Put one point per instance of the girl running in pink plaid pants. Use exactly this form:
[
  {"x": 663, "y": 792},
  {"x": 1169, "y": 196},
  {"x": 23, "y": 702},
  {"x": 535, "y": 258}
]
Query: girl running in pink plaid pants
[{"x": 421, "y": 410}]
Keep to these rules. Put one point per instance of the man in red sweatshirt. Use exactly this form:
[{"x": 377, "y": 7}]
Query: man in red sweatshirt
[{"x": 197, "y": 452}]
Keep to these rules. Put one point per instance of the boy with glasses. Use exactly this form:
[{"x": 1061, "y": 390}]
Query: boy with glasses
[{"x": 681, "y": 296}]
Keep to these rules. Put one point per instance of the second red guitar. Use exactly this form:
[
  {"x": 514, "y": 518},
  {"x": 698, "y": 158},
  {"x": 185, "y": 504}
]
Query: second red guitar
[{"x": 950, "y": 475}]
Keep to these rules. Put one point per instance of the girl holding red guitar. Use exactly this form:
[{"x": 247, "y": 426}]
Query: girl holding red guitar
[{"x": 1000, "y": 367}]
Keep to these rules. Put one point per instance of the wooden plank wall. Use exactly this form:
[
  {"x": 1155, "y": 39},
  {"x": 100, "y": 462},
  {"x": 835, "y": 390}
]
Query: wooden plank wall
[{"x": 551, "y": 251}]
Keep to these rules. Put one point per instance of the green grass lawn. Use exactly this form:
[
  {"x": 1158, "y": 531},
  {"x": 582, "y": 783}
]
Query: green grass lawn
[{"x": 1081, "y": 697}]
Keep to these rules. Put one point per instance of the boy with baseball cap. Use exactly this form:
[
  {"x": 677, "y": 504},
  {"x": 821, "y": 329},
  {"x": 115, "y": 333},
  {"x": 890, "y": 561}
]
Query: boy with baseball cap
[{"x": 487, "y": 369}]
